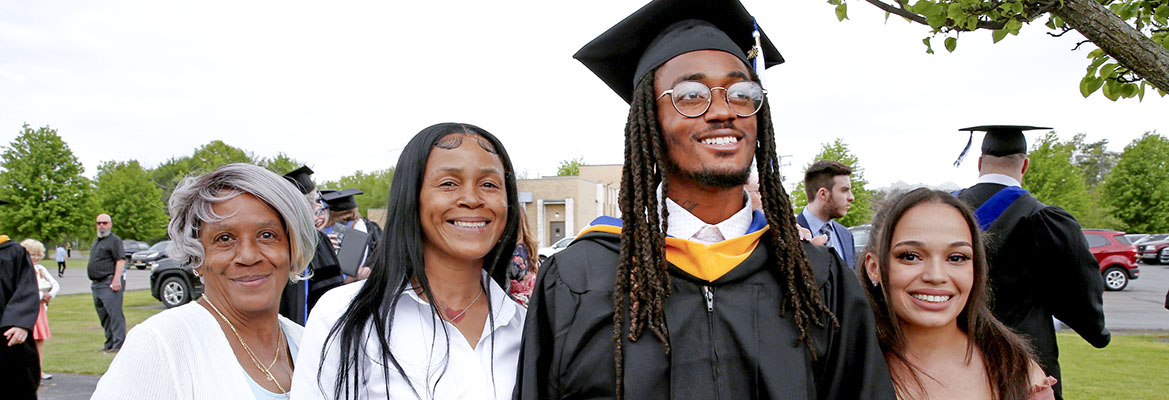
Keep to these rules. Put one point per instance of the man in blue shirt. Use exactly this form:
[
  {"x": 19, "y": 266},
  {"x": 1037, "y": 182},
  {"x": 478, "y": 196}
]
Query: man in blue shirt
[{"x": 829, "y": 197}]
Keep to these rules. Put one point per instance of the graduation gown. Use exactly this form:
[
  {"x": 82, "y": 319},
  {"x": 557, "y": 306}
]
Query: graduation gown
[
  {"x": 727, "y": 338},
  {"x": 1040, "y": 267},
  {"x": 298, "y": 298},
  {"x": 20, "y": 370}
]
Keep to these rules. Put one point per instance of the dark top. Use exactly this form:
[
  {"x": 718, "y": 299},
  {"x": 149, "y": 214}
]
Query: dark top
[
  {"x": 1040, "y": 267},
  {"x": 299, "y": 298},
  {"x": 20, "y": 372},
  {"x": 739, "y": 347},
  {"x": 19, "y": 298},
  {"x": 104, "y": 256}
]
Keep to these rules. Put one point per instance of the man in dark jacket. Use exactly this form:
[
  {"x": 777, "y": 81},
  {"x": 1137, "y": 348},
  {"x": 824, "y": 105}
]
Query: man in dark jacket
[
  {"x": 20, "y": 370},
  {"x": 1040, "y": 265},
  {"x": 693, "y": 294}
]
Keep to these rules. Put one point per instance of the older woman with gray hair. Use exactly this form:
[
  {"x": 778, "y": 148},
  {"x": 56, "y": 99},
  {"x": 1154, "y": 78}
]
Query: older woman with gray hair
[{"x": 246, "y": 232}]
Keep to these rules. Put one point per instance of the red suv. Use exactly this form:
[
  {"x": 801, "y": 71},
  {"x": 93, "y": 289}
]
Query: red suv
[{"x": 1117, "y": 257}]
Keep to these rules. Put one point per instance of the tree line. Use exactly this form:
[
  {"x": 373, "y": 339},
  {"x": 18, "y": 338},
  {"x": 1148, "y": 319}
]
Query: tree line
[
  {"x": 54, "y": 202},
  {"x": 1126, "y": 191}
]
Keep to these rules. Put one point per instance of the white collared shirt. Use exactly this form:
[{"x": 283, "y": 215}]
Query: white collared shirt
[
  {"x": 999, "y": 179},
  {"x": 684, "y": 225},
  {"x": 419, "y": 345}
]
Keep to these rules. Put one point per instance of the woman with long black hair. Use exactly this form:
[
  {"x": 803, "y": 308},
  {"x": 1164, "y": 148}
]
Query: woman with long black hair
[
  {"x": 926, "y": 273},
  {"x": 432, "y": 321}
]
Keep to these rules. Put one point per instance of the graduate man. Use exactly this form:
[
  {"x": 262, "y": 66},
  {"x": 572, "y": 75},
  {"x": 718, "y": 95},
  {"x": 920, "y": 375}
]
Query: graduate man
[
  {"x": 829, "y": 188},
  {"x": 1040, "y": 265},
  {"x": 300, "y": 297},
  {"x": 20, "y": 370},
  {"x": 692, "y": 294}
]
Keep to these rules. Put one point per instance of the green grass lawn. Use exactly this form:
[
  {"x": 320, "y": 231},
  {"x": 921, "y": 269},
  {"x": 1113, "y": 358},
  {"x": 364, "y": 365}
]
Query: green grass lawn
[
  {"x": 77, "y": 333},
  {"x": 1131, "y": 367}
]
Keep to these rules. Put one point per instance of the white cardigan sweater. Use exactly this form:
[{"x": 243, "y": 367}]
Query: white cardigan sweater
[{"x": 180, "y": 353}]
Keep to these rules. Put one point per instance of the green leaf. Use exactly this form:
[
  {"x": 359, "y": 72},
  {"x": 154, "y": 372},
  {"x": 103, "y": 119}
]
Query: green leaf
[
  {"x": 1111, "y": 90},
  {"x": 928, "y": 48},
  {"x": 1096, "y": 64},
  {"x": 1013, "y": 26},
  {"x": 1108, "y": 71},
  {"x": 1089, "y": 85},
  {"x": 842, "y": 12},
  {"x": 1141, "y": 92},
  {"x": 1161, "y": 14},
  {"x": 1128, "y": 90},
  {"x": 887, "y": 17},
  {"x": 955, "y": 12},
  {"x": 998, "y": 35},
  {"x": 951, "y": 43}
]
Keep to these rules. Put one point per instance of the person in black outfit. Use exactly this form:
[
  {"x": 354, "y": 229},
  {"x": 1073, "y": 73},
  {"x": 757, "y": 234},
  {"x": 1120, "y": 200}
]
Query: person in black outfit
[
  {"x": 1040, "y": 265},
  {"x": 20, "y": 369},
  {"x": 693, "y": 294},
  {"x": 106, "y": 265},
  {"x": 299, "y": 298}
]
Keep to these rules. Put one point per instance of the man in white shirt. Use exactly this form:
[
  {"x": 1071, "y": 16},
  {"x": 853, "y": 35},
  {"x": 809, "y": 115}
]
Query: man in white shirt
[{"x": 829, "y": 189}]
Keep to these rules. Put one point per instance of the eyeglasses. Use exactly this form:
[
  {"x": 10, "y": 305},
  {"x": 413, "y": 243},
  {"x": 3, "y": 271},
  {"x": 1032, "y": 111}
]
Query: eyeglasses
[
  {"x": 692, "y": 99},
  {"x": 103, "y": 222}
]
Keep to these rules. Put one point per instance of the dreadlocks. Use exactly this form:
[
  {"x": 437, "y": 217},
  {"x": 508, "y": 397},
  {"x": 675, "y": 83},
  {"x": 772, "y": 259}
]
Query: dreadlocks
[{"x": 643, "y": 281}]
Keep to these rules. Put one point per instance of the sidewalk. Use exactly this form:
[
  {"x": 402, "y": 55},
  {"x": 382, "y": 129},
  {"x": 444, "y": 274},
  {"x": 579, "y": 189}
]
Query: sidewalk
[{"x": 68, "y": 387}]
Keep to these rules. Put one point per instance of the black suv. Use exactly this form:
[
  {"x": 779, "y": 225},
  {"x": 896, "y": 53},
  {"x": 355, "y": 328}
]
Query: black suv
[
  {"x": 148, "y": 257},
  {"x": 129, "y": 247},
  {"x": 174, "y": 284}
]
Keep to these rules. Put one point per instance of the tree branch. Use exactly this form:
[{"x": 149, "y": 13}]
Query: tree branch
[{"x": 899, "y": 11}]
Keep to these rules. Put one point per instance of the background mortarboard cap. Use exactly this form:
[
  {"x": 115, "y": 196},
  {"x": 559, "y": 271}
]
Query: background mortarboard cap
[
  {"x": 664, "y": 29},
  {"x": 341, "y": 200},
  {"x": 3, "y": 202},
  {"x": 1000, "y": 140},
  {"x": 300, "y": 177}
]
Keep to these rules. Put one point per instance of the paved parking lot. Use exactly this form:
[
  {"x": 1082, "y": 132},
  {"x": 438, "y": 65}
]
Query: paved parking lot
[
  {"x": 75, "y": 281},
  {"x": 1141, "y": 306}
]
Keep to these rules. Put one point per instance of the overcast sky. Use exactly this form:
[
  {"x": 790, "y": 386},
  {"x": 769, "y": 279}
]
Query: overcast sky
[{"x": 343, "y": 85}]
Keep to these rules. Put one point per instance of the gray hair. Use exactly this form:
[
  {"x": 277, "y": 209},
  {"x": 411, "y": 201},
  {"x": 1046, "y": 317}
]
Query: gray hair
[{"x": 190, "y": 207}]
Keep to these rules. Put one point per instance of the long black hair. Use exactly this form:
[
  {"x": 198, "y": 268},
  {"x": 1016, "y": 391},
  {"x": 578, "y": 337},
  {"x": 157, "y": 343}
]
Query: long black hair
[
  {"x": 1006, "y": 356},
  {"x": 398, "y": 262},
  {"x": 643, "y": 281}
]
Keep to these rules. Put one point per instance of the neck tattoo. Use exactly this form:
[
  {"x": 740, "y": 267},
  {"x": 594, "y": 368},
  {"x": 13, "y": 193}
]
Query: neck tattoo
[{"x": 455, "y": 315}]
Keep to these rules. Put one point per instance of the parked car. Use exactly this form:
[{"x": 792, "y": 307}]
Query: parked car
[
  {"x": 545, "y": 252},
  {"x": 129, "y": 247},
  {"x": 1135, "y": 238},
  {"x": 148, "y": 257},
  {"x": 1117, "y": 257},
  {"x": 1154, "y": 249},
  {"x": 174, "y": 284},
  {"x": 860, "y": 238}
]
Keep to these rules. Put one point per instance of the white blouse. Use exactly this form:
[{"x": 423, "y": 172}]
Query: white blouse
[
  {"x": 180, "y": 353},
  {"x": 418, "y": 343}
]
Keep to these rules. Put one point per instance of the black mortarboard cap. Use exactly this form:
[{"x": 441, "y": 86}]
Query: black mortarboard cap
[
  {"x": 1000, "y": 140},
  {"x": 301, "y": 179},
  {"x": 341, "y": 200},
  {"x": 664, "y": 29},
  {"x": 3, "y": 202}
]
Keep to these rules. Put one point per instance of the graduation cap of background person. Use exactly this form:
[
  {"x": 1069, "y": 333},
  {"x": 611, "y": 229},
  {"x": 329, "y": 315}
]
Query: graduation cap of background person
[
  {"x": 664, "y": 29},
  {"x": 1000, "y": 140},
  {"x": 3, "y": 202},
  {"x": 300, "y": 177},
  {"x": 341, "y": 200}
]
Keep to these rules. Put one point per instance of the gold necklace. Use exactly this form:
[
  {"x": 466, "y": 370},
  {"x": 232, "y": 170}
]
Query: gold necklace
[{"x": 259, "y": 364}]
